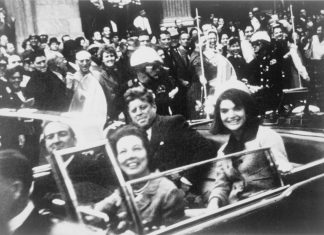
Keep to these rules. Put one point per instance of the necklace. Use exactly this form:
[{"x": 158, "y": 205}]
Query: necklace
[{"x": 140, "y": 190}]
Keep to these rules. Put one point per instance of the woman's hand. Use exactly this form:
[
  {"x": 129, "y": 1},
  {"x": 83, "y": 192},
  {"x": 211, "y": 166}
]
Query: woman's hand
[{"x": 108, "y": 203}]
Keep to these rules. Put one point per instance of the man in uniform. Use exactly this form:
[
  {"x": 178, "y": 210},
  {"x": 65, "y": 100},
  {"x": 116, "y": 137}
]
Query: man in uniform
[
  {"x": 265, "y": 73},
  {"x": 151, "y": 74}
]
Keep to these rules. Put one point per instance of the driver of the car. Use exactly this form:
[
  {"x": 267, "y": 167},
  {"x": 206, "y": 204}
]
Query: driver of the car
[
  {"x": 86, "y": 173},
  {"x": 57, "y": 136}
]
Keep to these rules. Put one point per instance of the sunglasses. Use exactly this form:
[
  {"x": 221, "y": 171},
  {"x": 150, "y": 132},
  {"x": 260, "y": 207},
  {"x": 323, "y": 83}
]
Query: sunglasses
[{"x": 255, "y": 44}]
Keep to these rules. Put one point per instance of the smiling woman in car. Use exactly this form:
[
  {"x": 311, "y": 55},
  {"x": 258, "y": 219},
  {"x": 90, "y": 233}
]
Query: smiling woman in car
[
  {"x": 159, "y": 202},
  {"x": 238, "y": 178}
]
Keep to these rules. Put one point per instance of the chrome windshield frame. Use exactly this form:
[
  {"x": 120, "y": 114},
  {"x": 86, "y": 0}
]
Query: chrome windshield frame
[{"x": 69, "y": 194}]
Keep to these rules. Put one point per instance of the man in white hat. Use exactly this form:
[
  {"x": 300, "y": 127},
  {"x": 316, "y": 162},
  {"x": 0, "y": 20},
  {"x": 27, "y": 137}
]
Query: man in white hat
[
  {"x": 265, "y": 73},
  {"x": 150, "y": 74}
]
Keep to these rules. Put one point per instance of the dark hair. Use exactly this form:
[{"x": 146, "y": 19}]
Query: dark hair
[
  {"x": 26, "y": 56},
  {"x": 224, "y": 32},
  {"x": 34, "y": 36},
  {"x": 15, "y": 166},
  {"x": 233, "y": 40},
  {"x": 129, "y": 130},
  {"x": 43, "y": 38},
  {"x": 122, "y": 46},
  {"x": 191, "y": 31},
  {"x": 248, "y": 25},
  {"x": 132, "y": 43},
  {"x": 107, "y": 49},
  {"x": 78, "y": 42},
  {"x": 143, "y": 33},
  {"x": 114, "y": 34},
  {"x": 14, "y": 70},
  {"x": 35, "y": 54},
  {"x": 70, "y": 48},
  {"x": 240, "y": 99},
  {"x": 53, "y": 40},
  {"x": 24, "y": 43},
  {"x": 139, "y": 93},
  {"x": 278, "y": 26}
]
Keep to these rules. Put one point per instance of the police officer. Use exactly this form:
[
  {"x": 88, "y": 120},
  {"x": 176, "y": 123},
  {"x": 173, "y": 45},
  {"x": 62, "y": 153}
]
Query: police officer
[
  {"x": 151, "y": 75},
  {"x": 264, "y": 73}
]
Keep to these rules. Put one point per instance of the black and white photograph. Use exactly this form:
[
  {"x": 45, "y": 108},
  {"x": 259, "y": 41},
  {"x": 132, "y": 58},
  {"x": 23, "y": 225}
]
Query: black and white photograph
[{"x": 158, "y": 117}]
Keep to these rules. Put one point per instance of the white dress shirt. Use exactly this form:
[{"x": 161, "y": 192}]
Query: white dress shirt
[{"x": 19, "y": 219}]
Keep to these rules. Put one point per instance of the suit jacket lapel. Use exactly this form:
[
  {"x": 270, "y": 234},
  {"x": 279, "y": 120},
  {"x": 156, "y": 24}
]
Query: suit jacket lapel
[{"x": 156, "y": 136}]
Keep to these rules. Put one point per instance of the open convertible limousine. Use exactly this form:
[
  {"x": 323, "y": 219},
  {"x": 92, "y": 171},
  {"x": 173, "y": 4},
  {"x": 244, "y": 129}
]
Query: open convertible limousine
[{"x": 79, "y": 176}]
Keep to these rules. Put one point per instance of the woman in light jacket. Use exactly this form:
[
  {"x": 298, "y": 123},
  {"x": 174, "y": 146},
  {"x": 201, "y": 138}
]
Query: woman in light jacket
[
  {"x": 238, "y": 178},
  {"x": 158, "y": 201}
]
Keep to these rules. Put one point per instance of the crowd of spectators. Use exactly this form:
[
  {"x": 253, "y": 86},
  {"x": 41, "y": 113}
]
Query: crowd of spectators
[{"x": 271, "y": 53}]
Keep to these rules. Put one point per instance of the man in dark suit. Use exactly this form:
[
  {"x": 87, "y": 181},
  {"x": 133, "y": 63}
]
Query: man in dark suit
[
  {"x": 173, "y": 142},
  {"x": 45, "y": 87},
  {"x": 165, "y": 43},
  {"x": 18, "y": 215},
  {"x": 184, "y": 72}
]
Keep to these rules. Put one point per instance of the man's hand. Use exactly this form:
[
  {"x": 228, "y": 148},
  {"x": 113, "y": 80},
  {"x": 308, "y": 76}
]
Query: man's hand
[
  {"x": 69, "y": 80},
  {"x": 21, "y": 140},
  {"x": 184, "y": 83},
  {"x": 173, "y": 92},
  {"x": 198, "y": 105},
  {"x": 254, "y": 89},
  {"x": 29, "y": 103}
]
